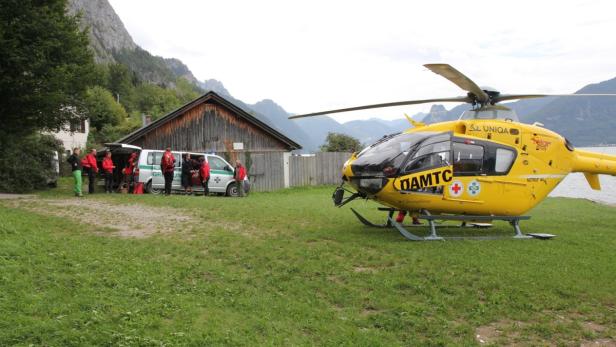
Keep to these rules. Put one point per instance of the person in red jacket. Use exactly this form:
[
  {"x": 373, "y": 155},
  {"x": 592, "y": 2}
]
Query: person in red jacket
[
  {"x": 204, "y": 174},
  {"x": 129, "y": 170},
  {"x": 89, "y": 164},
  {"x": 239, "y": 175},
  {"x": 167, "y": 166},
  {"x": 108, "y": 172}
]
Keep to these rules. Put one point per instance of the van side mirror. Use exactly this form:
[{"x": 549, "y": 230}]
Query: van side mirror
[{"x": 228, "y": 168}]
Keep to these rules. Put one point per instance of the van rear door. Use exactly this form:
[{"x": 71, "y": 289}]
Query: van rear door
[{"x": 122, "y": 147}]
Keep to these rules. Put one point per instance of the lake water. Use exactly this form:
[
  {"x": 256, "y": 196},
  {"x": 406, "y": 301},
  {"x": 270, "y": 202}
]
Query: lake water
[{"x": 576, "y": 186}]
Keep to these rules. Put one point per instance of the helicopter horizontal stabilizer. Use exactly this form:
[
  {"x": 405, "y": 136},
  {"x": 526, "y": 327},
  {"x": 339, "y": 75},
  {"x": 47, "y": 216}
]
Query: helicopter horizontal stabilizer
[{"x": 593, "y": 164}]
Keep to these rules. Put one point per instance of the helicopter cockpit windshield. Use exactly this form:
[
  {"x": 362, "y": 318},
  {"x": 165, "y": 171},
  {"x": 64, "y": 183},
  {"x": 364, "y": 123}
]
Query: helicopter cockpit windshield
[
  {"x": 389, "y": 154},
  {"x": 494, "y": 112}
]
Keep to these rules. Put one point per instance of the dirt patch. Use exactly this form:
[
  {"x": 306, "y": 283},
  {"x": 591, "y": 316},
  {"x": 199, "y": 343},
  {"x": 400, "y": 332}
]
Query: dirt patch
[
  {"x": 4, "y": 196},
  {"x": 363, "y": 269},
  {"x": 131, "y": 221},
  {"x": 594, "y": 327},
  {"x": 599, "y": 343},
  {"x": 503, "y": 332},
  {"x": 509, "y": 333},
  {"x": 369, "y": 311}
]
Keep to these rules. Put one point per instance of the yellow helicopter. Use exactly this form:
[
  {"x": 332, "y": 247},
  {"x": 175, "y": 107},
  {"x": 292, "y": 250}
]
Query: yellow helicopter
[{"x": 485, "y": 166}]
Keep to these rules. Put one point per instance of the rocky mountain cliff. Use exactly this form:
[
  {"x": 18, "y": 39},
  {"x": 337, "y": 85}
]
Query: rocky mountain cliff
[{"x": 112, "y": 43}]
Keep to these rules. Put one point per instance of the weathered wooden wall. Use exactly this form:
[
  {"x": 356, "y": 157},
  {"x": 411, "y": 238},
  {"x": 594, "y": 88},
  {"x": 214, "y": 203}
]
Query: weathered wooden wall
[
  {"x": 329, "y": 166},
  {"x": 266, "y": 172},
  {"x": 209, "y": 127},
  {"x": 303, "y": 171},
  {"x": 321, "y": 168},
  {"x": 267, "y": 169}
]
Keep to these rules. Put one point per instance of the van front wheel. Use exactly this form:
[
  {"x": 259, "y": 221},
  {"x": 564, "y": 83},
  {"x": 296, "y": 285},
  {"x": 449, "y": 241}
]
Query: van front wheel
[
  {"x": 232, "y": 190},
  {"x": 152, "y": 190}
]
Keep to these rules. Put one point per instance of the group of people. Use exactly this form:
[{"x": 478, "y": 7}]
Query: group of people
[
  {"x": 197, "y": 169},
  {"x": 89, "y": 165}
]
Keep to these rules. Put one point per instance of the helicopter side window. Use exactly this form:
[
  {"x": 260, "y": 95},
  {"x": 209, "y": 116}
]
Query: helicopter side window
[
  {"x": 504, "y": 159},
  {"x": 467, "y": 159},
  {"x": 430, "y": 156}
]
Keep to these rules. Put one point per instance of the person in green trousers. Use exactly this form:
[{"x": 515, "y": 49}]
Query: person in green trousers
[{"x": 76, "y": 168}]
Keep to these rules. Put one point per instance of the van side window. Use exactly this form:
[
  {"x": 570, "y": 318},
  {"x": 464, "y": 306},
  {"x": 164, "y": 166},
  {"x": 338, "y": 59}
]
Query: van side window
[
  {"x": 154, "y": 158},
  {"x": 178, "y": 159},
  {"x": 216, "y": 163},
  {"x": 467, "y": 159},
  {"x": 504, "y": 160}
]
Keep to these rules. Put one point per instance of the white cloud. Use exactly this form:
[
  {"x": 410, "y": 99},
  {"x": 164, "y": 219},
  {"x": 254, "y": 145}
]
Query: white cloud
[{"x": 321, "y": 54}]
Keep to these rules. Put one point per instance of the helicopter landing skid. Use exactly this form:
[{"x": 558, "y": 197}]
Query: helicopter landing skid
[
  {"x": 466, "y": 221},
  {"x": 514, "y": 221},
  {"x": 390, "y": 214}
]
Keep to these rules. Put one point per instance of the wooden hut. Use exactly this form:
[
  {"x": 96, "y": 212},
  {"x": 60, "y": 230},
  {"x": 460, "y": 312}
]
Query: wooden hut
[{"x": 212, "y": 124}]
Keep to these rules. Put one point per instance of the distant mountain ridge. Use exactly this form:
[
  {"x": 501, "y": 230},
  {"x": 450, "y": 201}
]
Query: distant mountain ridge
[{"x": 112, "y": 43}]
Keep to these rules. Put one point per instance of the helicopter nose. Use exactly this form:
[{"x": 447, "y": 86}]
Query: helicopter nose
[{"x": 370, "y": 185}]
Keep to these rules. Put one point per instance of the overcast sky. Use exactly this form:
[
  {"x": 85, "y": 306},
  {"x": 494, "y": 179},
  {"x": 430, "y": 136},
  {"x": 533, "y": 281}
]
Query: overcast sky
[{"x": 314, "y": 55}]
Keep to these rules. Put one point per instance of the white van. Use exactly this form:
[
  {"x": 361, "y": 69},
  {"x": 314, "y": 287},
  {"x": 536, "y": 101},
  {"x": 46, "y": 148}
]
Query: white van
[{"x": 148, "y": 172}]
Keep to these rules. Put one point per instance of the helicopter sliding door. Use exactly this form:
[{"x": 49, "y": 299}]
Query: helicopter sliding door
[
  {"x": 481, "y": 158},
  {"x": 476, "y": 167},
  {"x": 467, "y": 159}
]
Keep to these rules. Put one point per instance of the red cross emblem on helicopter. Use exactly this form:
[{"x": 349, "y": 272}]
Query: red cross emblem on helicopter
[{"x": 456, "y": 188}]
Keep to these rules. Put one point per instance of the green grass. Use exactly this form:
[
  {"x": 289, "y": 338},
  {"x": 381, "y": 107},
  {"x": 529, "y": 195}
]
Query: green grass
[{"x": 290, "y": 269}]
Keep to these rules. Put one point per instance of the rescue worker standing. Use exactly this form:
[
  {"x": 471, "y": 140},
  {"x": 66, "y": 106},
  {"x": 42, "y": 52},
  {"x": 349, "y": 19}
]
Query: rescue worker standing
[
  {"x": 187, "y": 168},
  {"x": 108, "y": 172},
  {"x": 89, "y": 163},
  {"x": 204, "y": 174},
  {"x": 167, "y": 166},
  {"x": 129, "y": 170},
  {"x": 76, "y": 169},
  {"x": 239, "y": 175}
]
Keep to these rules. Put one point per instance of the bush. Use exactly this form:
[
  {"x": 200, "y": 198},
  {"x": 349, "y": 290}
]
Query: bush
[
  {"x": 26, "y": 163},
  {"x": 336, "y": 142}
]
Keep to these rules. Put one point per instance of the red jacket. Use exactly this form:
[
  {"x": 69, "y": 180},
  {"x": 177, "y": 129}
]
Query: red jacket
[
  {"x": 108, "y": 165},
  {"x": 240, "y": 173},
  {"x": 131, "y": 164},
  {"x": 204, "y": 171},
  {"x": 89, "y": 161},
  {"x": 167, "y": 163}
]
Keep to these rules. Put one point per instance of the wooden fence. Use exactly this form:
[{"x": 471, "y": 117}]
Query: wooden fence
[
  {"x": 321, "y": 168},
  {"x": 275, "y": 170},
  {"x": 270, "y": 171}
]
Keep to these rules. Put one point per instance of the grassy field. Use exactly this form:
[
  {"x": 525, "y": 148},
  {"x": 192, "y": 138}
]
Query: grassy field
[{"x": 287, "y": 268}]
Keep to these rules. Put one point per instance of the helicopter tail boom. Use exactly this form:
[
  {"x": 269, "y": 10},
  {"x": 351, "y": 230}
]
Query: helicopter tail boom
[{"x": 593, "y": 164}]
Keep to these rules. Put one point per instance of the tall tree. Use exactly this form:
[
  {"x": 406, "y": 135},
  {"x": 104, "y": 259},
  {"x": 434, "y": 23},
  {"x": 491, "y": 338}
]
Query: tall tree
[
  {"x": 336, "y": 142},
  {"x": 45, "y": 66}
]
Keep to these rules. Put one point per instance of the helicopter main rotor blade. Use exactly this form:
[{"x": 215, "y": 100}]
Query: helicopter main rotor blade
[
  {"x": 459, "y": 79},
  {"x": 388, "y": 104},
  {"x": 506, "y": 97}
]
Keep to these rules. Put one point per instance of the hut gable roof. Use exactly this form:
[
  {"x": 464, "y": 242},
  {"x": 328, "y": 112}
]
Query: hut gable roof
[{"x": 211, "y": 97}]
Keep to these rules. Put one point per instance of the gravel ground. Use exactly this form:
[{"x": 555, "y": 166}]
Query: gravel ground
[{"x": 133, "y": 221}]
